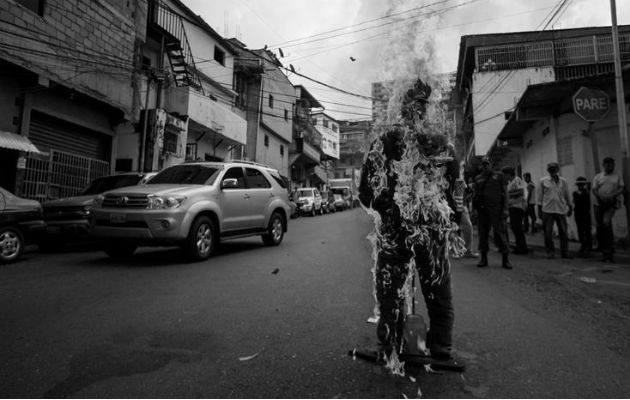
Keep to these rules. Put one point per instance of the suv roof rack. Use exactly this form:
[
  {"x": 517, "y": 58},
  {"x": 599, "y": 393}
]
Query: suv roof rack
[{"x": 249, "y": 162}]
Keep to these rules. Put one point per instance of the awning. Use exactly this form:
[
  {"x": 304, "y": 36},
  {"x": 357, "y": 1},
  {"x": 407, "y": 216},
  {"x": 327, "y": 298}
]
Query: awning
[{"x": 14, "y": 141}]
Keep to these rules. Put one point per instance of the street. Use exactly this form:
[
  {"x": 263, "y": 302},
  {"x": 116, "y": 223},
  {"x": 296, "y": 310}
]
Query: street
[{"x": 277, "y": 322}]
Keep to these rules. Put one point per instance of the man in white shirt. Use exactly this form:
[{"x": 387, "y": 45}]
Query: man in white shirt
[
  {"x": 554, "y": 205},
  {"x": 607, "y": 190}
]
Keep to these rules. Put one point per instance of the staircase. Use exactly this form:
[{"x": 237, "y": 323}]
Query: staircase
[{"x": 177, "y": 48}]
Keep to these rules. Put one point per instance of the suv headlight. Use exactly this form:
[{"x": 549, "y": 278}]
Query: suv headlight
[{"x": 163, "y": 202}]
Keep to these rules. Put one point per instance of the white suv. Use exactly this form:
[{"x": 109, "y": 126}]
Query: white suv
[{"x": 194, "y": 205}]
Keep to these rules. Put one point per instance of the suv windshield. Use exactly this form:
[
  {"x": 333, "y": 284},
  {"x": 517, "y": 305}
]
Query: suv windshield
[
  {"x": 305, "y": 193},
  {"x": 106, "y": 183},
  {"x": 189, "y": 174}
]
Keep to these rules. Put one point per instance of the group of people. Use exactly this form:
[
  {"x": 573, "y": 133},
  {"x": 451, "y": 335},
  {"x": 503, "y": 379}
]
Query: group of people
[{"x": 498, "y": 196}]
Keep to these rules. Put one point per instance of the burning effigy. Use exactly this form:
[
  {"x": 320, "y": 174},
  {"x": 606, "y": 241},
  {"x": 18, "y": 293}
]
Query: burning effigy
[{"x": 406, "y": 185}]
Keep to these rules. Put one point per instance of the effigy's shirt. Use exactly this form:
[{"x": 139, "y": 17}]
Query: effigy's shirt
[{"x": 383, "y": 190}]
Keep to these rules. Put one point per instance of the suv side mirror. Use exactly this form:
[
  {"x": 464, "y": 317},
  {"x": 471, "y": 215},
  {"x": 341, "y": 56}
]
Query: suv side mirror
[{"x": 229, "y": 183}]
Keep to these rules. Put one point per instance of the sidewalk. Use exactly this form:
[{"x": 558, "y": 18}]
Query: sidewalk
[{"x": 536, "y": 242}]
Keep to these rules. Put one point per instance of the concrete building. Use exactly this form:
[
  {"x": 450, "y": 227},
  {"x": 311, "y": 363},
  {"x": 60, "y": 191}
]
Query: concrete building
[
  {"x": 305, "y": 152},
  {"x": 516, "y": 94},
  {"x": 328, "y": 127},
  {"x": 266, "y": 99},
  {"x": 353, "y": 144},
  {"x": 66, "y": 91},
  {"x": 187, "y": 103}
]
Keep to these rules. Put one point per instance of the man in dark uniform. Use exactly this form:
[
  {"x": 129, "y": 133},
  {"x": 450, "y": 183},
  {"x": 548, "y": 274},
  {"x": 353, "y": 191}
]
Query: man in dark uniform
[
  {"x": 491, "y": 202},
  {"x": 407, "y": 180},
  {"x": 582, "y": 205}
]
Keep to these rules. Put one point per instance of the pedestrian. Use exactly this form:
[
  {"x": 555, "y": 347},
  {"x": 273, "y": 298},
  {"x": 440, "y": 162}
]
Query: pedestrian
[
  {"x": 530, "y": 213},
  {"x": 582, "y": 205},
  {"x": 407, "y": 180},
  {"x": 460, "y": 196},
  {"x": 607, "y": 191},
  {"x": 554, "y": 205},
  {"x": 517, "y": 204},
  {"x": 491, "y": 204}
]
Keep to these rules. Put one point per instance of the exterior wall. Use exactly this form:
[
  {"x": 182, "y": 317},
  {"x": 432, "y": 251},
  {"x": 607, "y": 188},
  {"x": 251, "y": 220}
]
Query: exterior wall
[
  {"x": 10, "y": 93},
  {"x": 276, "y": 84},
  {"x": 330, "y": 138},
  {"x": 270, "y": 155},
  {"x": 495, "y": 92},
  {"x": 567, "y": 144},
  {"x": 85, "y": 45}
]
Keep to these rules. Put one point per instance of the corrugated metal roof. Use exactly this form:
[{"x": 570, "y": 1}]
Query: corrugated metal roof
[{"x": 14, "y": 141}]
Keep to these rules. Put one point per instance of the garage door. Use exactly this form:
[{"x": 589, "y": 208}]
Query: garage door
[{"x": 50, "y": 133}]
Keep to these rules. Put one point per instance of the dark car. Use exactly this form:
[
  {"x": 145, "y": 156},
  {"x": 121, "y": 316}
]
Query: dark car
[
  {"x": 68, "y": 218},
  {"x": 20, "y": 222}
]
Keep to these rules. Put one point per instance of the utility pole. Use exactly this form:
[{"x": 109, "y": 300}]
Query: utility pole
[{"x": 621, "y": 111}]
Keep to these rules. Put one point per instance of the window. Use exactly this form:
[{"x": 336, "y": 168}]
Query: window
[
  {"x": 281, "y": 150},
  {"x": 219, "y": 55},
  {"x": 235, "y": 173},
  {"x": 37, "y": 6},
  {"x": 266, "y": 141},
  {"x": 286, "y": 115},
  {"x": 256, "y": 179},
  {"x": 335, "y": 128},
  {"x": 325, "y": 123},
  {"x": 170, "y": 143},
  {"x": 191, "y": 151},
  {"x": 270, "y": 101}
]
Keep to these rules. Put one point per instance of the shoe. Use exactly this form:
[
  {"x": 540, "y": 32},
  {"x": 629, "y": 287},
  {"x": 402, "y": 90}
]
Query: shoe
[
  {"x": 521, "y": 252},
  {"x": 471, "y": 254},
  {"x": 566, "y": 256},
  {"x": 483, "y": 262},
  {"x": 440, "y": 352},
  {"x": 506, "y": 262}
]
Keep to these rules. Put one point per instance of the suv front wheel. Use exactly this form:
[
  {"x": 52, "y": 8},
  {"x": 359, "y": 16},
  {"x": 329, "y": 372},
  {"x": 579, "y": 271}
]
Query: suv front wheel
[
  {"x": 275, "y": 230},
  {"x": 201, "y": 239}
]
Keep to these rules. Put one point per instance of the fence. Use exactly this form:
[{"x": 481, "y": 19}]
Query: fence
[{"x": 59, "y": 174}]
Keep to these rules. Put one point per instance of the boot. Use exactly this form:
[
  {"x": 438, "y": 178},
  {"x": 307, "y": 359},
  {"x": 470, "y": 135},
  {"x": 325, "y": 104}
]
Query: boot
[
  {"x": 483, "y": 262},
  {"x": 506, "y": 262}
]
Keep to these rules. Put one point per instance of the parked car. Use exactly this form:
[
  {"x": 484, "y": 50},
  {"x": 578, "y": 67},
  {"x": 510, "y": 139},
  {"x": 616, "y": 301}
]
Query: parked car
[
  {"x": 309, "y": 200},
  {"x": 194, "y": 206},
  {"x": 340, "y": 203},
  {"x": 346, "y": 193},
  {"x": 20, "y": 222},
  {"x": 68, "y": 218}
]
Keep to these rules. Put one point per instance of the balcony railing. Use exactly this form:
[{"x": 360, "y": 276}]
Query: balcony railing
[{"x": 560, "y": 53}]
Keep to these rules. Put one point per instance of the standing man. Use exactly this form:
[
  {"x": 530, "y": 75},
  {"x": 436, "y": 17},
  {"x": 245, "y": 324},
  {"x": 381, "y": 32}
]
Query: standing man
[
  {"x": 554, "y": 204},
  {"x": 582, "y": 204},
  {"x": 530, "y": 213},
  {"x": 406, "y": 182},
  {"x": 517, "y": 206},
  {"x": 607, "y": 189},
  {"x": 491, "y": 203}
]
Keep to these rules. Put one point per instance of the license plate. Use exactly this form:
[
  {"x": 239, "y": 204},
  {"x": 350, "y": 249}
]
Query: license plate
[{"x": 117, "y": 218}]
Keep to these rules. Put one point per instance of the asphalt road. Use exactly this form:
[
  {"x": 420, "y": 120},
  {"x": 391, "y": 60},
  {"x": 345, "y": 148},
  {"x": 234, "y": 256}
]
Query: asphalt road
[{"x": 277, "y": 322}]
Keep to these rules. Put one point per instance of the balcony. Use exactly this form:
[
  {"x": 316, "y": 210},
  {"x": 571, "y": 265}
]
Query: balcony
[
  {"x": 301, "y": 150},
  {"x": 186, "y": 101}
]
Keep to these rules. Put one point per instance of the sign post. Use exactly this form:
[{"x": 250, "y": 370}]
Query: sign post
[{"x": 621, "y": 110}]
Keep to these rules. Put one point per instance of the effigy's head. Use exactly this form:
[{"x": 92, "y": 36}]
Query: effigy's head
[{"x": 414, "y": 102}]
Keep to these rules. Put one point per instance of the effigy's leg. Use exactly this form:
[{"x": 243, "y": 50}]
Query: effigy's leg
[
  {"x": 391, "y": 273},
  {"x": 434, "y": 274}
]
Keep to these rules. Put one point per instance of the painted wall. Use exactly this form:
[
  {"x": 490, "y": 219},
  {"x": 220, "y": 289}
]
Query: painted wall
[
  {"x": 279, "y": 117},
  {"x": 10, "y": 93},
  {"x": 495, "y": 92},
  {"x": 566, "y": 143},
  {"x": 270, "y": 155}
]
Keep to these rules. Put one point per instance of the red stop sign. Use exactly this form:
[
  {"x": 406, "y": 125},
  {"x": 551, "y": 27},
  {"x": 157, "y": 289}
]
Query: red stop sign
[{"x": 591, "y": 104}]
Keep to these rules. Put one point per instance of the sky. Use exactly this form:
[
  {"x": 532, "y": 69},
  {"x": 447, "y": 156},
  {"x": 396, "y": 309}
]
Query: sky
[{"x": 348, "y": 44}]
